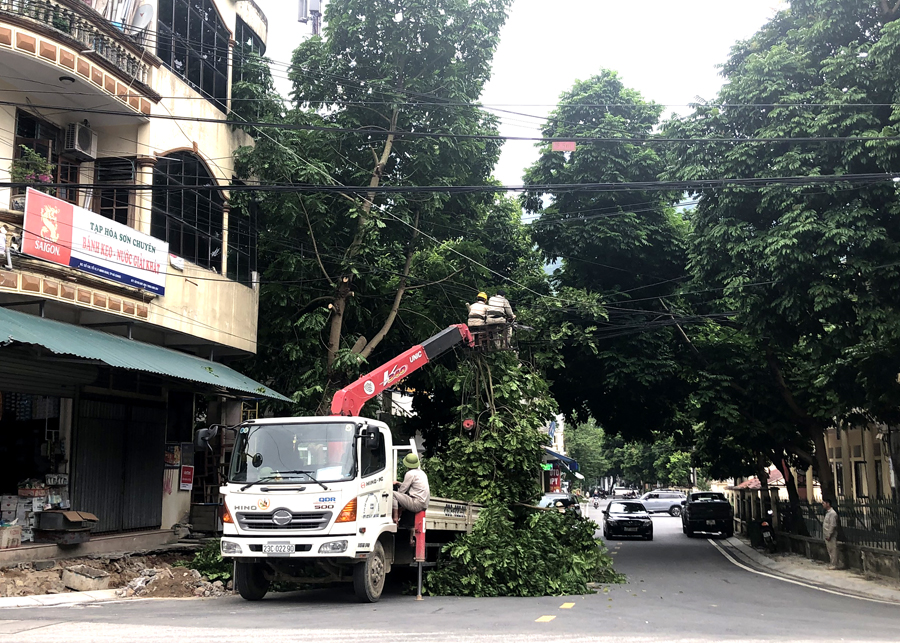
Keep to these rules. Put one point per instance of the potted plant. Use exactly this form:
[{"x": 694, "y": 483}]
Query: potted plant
[{"x": 30, "y": 168}]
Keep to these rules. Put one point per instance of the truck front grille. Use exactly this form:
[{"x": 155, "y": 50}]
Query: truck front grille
[{"x": 307, "y": 521}]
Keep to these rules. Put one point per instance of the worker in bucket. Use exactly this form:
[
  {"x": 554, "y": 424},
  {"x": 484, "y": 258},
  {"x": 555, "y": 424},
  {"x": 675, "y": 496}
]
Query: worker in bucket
[
  {"x": 500, "y": 313},
  {"x": 478, "y": 311},
  {"x": 413, "y": 493}
]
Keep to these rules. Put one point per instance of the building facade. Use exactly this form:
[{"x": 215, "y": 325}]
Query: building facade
[{"x": 130, "y": 281}]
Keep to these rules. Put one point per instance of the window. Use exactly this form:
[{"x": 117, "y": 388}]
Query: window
[
  {"x": 192, "y": 41},
  {"x": 879, "y": 479},
  {"x": 373, "y": 460},
  {"x": 859, "y": 479},
  {"x": 839, "y": 478},
  {"x": 188, "y": 209},
  {"x": 242, "y": 239},
  {"x": 114, "y": 202},
  {"x": 247, "y": 44},
  {"x": 47, "y": 140}
]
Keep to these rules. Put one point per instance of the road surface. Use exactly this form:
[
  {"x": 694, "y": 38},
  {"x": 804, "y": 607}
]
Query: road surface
[{"x": 678, "y": 589}]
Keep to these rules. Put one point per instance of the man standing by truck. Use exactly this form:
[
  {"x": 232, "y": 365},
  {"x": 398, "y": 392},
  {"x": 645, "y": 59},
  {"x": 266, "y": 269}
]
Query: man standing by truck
[{"x": 413, "y": 493}]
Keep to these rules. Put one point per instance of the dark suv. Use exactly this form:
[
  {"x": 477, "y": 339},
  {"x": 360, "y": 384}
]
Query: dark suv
[{"x": 707, "y": 511}]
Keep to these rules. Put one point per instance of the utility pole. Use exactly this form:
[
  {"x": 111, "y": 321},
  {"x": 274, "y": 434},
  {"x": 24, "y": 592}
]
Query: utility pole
[{"x": 311, "y": 11}]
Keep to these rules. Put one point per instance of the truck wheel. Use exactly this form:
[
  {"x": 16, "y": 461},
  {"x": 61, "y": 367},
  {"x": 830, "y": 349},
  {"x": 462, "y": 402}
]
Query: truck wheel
[
  {"x": 728, "y": 533},
  {"x": 675, "y": 510},
  {"x": 249, "y": 581},
  {"x": 689, "y": 532},
  {"x": 368, "y": 576}
]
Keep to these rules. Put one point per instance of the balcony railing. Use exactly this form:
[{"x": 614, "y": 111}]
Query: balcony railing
[{"x": 82, "y": 29}]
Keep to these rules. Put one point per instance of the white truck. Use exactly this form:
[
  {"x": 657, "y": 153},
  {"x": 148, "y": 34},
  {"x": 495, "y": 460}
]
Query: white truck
[{"x": 309, "y": 499}]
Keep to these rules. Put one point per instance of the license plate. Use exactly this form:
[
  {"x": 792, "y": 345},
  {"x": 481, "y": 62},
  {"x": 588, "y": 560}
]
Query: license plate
[
  {"x": 278, "y": 549},
  {"x": 710, "y": 522},
  {"x": 630, "y": 528}
]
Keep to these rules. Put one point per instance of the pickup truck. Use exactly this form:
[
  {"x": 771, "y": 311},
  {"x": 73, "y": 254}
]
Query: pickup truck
[{"x": 707, "y": 511}]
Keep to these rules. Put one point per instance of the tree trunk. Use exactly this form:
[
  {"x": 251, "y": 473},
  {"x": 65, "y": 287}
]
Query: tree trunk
[
  {"x": 893, "y": 446},
  {"x": 339, "y": 304},
  {"x": 823, "y": 467},
  {"x": 795, "y": 523}
]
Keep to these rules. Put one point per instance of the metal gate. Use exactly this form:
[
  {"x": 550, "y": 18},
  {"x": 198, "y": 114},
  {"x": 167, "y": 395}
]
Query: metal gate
[{"x": 118, "y": 464}]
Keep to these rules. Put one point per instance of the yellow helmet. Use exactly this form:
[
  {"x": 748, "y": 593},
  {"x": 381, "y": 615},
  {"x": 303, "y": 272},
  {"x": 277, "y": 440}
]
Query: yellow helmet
[{"x": 482, "y": 295}]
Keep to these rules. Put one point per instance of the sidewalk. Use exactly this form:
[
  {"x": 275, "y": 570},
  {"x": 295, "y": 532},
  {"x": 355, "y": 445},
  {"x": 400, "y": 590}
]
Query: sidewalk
[
  {"x": 798, "y": 568},
  {"x": 46, "y": 600}
]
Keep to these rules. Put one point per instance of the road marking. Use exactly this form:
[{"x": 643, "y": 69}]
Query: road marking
[
  {"x": 567, "y": 606},
  {"x": 545, "y": 619},
  {"x": 794, "y": 582}
]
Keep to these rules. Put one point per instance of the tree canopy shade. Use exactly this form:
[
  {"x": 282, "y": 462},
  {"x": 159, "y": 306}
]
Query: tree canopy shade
[
  {"x": 813, "y": 273},
  {"x": 343, "y": 264},
  {"x": 611, "y": 247}
]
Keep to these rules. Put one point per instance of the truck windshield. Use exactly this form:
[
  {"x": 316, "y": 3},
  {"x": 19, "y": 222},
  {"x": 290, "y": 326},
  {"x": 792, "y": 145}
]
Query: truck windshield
[{"x": 286, "y": 452}]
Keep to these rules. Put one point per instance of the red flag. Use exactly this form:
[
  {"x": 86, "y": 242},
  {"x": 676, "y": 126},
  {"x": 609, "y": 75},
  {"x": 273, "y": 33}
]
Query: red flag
[{"x": 563, "y": 146}]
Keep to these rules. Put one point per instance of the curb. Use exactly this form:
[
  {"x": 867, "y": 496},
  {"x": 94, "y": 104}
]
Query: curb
[
  {"x": 46, "y": 600},
  {"x": 836, "y": 580}
]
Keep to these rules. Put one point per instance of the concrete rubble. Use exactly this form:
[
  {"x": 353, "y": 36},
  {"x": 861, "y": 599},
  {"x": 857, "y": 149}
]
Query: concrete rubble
[{"x": 172, "y": 582}]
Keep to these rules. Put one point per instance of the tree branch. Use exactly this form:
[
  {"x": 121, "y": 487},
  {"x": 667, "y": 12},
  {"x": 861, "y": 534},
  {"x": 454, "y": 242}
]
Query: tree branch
[
  {"x": 453, "y": 274},
  {"x": 312, "y": 237},
  {"x": 398, "y": 296}
]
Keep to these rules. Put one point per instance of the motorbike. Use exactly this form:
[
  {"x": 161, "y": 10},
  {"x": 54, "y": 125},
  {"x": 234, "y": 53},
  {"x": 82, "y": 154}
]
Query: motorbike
[
  {"x": 768, "y": 535},
  {"x": 596, "y": 503}
]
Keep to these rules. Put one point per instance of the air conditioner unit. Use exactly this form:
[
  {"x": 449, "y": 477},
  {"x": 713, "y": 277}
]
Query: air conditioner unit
[{"x": 81, "y": 142}]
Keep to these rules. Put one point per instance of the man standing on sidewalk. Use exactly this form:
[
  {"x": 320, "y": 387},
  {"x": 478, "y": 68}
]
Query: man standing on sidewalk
[{"x": 830, "y": 528}]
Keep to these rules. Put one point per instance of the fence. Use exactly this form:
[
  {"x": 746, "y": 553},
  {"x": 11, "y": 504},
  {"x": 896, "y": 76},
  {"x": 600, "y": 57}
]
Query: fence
[{"x": 863, "y": 522}]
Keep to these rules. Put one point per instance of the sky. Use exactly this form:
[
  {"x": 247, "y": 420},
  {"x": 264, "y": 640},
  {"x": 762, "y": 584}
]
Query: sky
[{"x": 669, "y": 50}]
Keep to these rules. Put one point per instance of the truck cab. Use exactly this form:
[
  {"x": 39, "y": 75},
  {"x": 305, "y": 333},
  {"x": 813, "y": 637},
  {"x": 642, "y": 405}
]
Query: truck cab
[{"x": 309, "y": 490}]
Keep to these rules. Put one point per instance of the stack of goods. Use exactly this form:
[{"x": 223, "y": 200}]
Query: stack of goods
[{"x": 34, "y": 496}]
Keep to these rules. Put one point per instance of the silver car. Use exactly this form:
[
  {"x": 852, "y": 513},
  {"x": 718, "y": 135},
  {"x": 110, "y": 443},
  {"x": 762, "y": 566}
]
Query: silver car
[{"x": 663, "y": 501}]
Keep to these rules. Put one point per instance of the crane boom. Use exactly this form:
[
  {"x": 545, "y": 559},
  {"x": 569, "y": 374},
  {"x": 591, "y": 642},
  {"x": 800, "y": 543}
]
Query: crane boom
[{"x": 350, "y": 399}]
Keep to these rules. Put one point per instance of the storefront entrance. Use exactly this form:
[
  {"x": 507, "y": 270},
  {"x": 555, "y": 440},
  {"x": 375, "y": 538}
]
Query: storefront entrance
[{"x": 118, "y": 463}]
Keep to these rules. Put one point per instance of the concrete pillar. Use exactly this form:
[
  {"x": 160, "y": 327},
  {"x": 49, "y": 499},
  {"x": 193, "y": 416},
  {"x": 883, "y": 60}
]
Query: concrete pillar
[
  {"x": 226, "y": 212},
  {"x": 143, "y": 199},
  {"x": 846, "y": 463},
  {"x": 868, "y": 451},
  {"x": 810, "y": 486},
  {"x": 776, "y": 519}
]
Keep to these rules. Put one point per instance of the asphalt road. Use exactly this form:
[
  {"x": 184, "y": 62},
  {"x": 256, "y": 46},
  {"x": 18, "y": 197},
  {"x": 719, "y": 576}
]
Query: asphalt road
[{"x": 678, "y": 589}]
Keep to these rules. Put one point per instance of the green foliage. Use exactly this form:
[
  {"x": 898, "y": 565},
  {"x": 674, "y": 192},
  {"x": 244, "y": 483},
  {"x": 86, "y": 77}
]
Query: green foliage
[
  {"x": 209, "y": 562},
  {"x": 523, "y": 553},
  {"x": 611, "y": 247},
  {"x": 586, "y": 443},
  {"x": 498, "y": 461}
]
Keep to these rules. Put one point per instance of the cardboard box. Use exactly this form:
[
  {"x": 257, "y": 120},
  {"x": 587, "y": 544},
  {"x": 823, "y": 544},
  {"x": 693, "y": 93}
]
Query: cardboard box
[
  {"x": 8, "y": 516},
  {"x": 59, "y": 519},
  {"x": 37, "y": 504},
  {"x": 27, "y": 535},
  {"x": 9, "y": 503},
  {"x": 10, "y": 537}
]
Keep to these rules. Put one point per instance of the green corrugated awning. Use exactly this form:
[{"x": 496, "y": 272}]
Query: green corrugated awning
[{"x": 119, "y": 352}]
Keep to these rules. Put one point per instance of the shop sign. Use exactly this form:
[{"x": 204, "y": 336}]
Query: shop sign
[
  {"x": 65, "y": 234},
  {"x": 555, "y": 480},
  {"x": 187, "y": 478}
]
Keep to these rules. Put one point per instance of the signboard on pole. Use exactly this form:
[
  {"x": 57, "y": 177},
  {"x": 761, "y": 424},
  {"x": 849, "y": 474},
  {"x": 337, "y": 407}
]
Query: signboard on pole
[{"x": 63, "y": 233}]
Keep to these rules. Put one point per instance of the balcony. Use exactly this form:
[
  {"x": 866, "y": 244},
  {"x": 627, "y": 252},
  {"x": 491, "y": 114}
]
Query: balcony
[{"x": 81, "y": 24}]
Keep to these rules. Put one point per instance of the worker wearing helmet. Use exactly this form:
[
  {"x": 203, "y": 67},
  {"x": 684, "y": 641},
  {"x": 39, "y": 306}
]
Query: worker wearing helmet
[
  {"x": 413, "y": 493},
  {"x": 478, "y": 311},
  {"x": 499, "y": 312}
]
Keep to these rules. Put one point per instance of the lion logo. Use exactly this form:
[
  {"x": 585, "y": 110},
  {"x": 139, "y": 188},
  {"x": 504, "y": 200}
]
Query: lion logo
[{"x": 50, "y": 228}]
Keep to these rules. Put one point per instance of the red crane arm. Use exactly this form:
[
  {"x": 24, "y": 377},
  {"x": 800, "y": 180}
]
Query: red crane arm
[{"x": 350, "y": 399}]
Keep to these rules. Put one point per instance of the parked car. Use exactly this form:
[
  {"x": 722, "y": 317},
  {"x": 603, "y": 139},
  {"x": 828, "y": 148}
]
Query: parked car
[
  {"x": 663, "y": 500},
  {"x": 627, "y": 518},
  {"x": 707, "y": 511},
  {"x": 622, "y": 492},
  {"x": 561, "y": 500}
]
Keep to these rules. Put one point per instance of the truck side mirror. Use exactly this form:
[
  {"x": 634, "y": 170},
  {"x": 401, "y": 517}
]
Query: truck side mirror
[
  {"x": 203, "y": 436},
  {"x": 370, "y": 437}
]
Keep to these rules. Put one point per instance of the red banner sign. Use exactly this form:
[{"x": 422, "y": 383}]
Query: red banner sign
[{"x": 187, "y": 478}]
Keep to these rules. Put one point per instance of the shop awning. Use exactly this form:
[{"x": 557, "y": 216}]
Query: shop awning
[
  {"x": 571, "y": 464},
  {"x": 119, "y": 352}
]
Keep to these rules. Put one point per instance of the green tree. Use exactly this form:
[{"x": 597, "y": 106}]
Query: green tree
[
  {"x": 620, "y": 251},
  {"x": 586, "y": 443},
  {"x": 341, "y": 263},
  {"x": 811, "y": 271}
]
